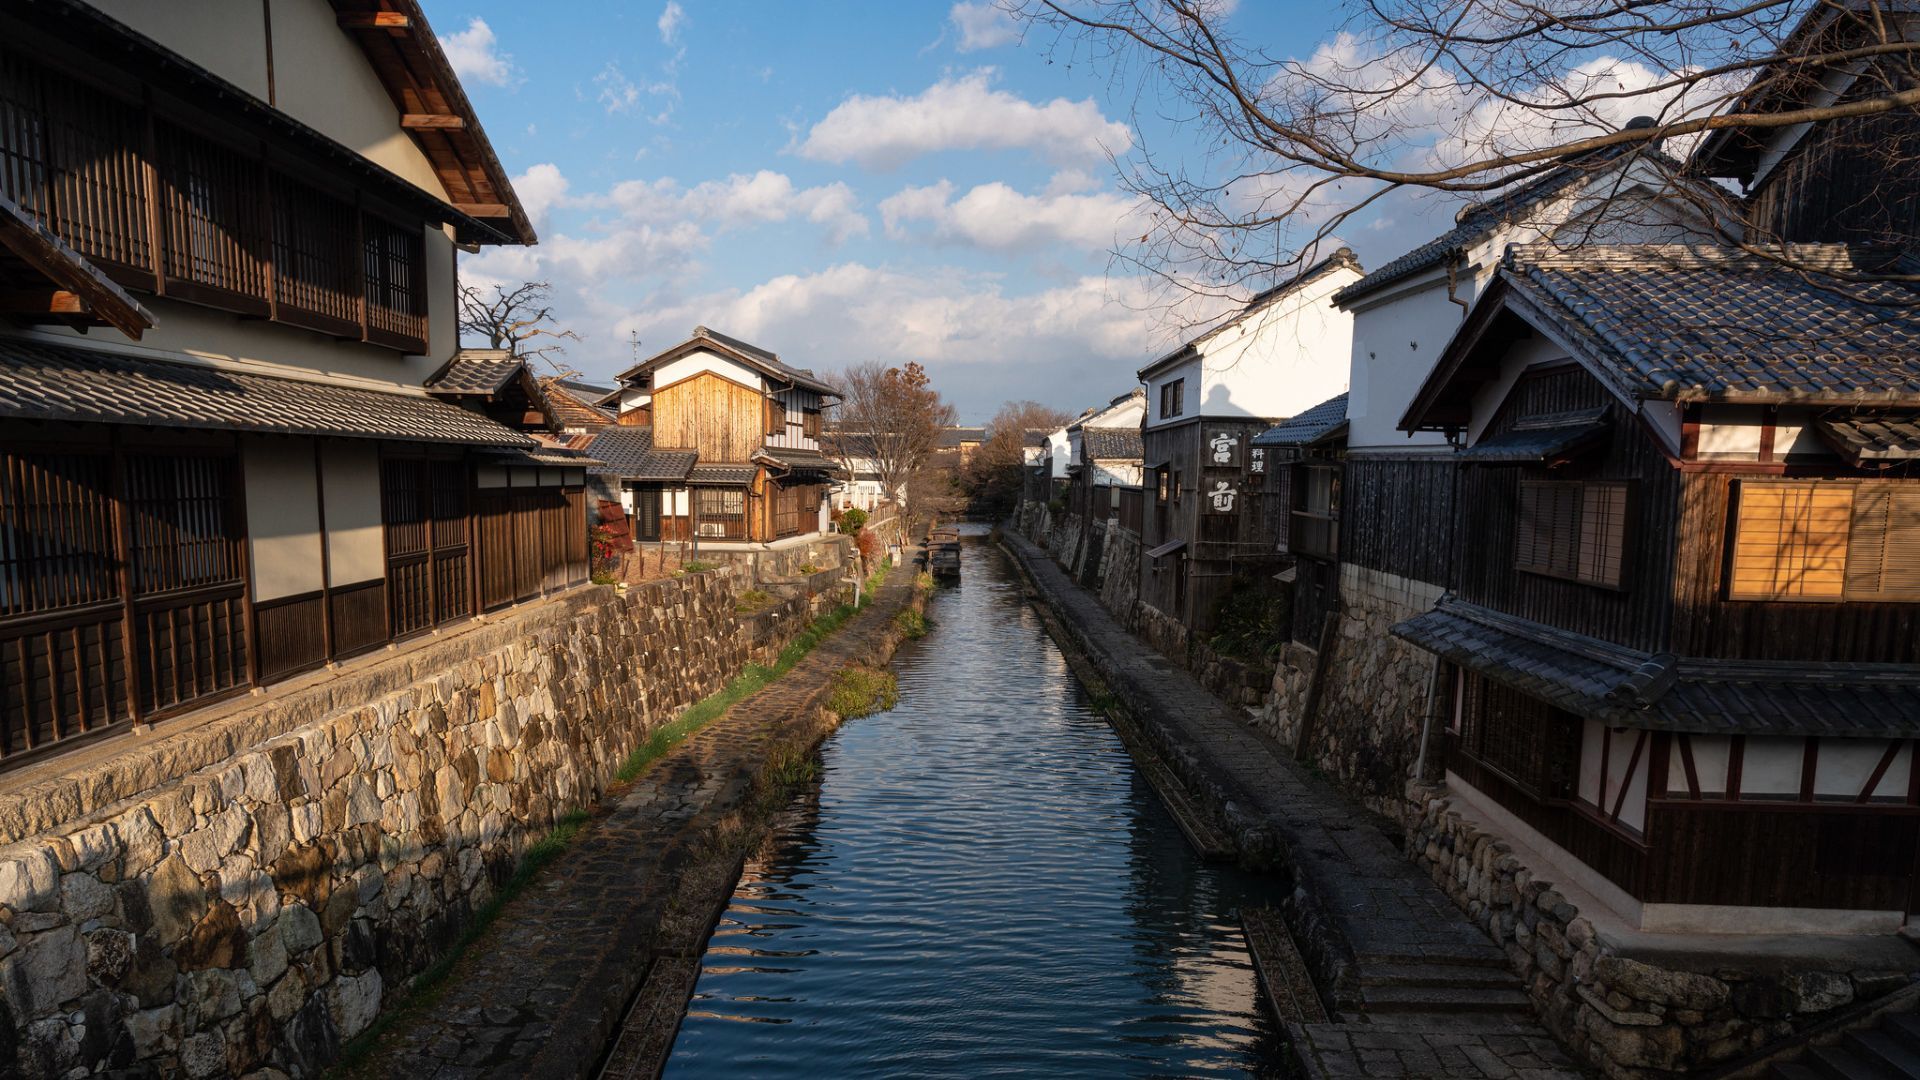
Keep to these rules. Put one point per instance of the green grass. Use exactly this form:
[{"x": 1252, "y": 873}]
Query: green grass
[
  {"x": 697, "y": 567},
  {"x": 752, "y": 600},
  {"x": 925, "y": 582},
  {"x": 427, "y": 986},
  {"x": 911, "y": 623},
  {"x": 862, "y": 691}
]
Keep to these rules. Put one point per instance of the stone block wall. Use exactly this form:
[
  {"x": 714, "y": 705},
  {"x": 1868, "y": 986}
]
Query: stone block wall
[
  {"x": 1366, "y": 733},
  {"x": 1629, "y": 1018},
  {"x": 1120, "y": 574},
  {"x": 248, "y": 889}
]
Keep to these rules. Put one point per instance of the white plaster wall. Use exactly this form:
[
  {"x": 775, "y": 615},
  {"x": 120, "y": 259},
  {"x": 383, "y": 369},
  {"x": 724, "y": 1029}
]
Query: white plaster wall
[
  {"x": 698, "y": 361},
  {"x": 1113, "y": 474},
  {"x": 350, "y": 473},
  {"x": 1189, "y": 395},
  {"x": 227, "y": 37},
  {"x": 1281, "y": 360},
  {"x": 283, "y": 516},
  {"x": 1127, "y": 413},
  {"x": 1396, "y": 341},
  {"x": 1058, "y": 453}
]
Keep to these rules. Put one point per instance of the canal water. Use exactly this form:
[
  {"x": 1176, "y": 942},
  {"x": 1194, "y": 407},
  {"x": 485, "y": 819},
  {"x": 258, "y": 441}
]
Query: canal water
[{"x": 982, "y": 885}]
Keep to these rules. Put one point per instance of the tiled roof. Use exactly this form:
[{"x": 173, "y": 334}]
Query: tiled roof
[
  {"x": 1675, "y": 321},
  {"x": 722, "y": 474},
  {"x": 42, "y": 381},
  {"x": 1112, "y": 443},
  {"x": 1863, "y": 437},
  {"x": 1541, "y": 439},
  {"x": 477, "y": 371},
  {"x": 951, "y": 438},
  {"x": 1604, "y": 681},
  {"x": 1325, "y": 419},
  {"x": 628, "y": 452},
  {"x": 753, "y": 356},
  {"x": 797, "y": 460},
  {"x": 1480, "y": 220},
  {"x": 548, "y": 455},
  {"x": 566, "y": 405}
]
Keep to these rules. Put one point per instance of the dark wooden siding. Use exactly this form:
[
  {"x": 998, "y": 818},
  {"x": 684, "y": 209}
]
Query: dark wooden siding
[
  {"x": 1178, "y": 449},
  {"x": 1636, "y": 614},
  {"x": 1705, "y": 623},
  {"x": 1851, "y": 179},
  {"x": 1394, "y": 514}
]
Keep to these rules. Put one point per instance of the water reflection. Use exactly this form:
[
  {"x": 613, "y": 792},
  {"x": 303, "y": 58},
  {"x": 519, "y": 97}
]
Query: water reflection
[{"x": 982, "y": 885}]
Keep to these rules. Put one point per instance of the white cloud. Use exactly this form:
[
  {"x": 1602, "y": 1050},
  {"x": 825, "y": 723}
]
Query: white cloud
[
  {"x": 964, "y": 113},
  {"x": 671, "y": 20},
  {"x": 618, "y": 94},
  {"x": 541, "y": 188},
  {"x": 982, "y": 26},
  {"x": 740, "y": 200},
  {"x": 996, "y": 217},
  {"x": 475, "y": 56}
]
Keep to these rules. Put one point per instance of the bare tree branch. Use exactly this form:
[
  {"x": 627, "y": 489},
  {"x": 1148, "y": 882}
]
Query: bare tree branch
[{"x": 513, "y": 318}]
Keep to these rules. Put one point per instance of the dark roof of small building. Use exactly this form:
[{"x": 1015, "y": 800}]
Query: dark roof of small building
[
  {"x": 722, "y": 474},
  {"x": 628, "y": 453},
  {"x": 1112, "y": 443},
  {"x": 794, "y": 459},
  {"x": 1603, "y": 681},
  {"x": 1323, "y": 421},
  {"x": 547, "y": 455},
  {"x": 1480, "y": 220},
  {"x": 1873, "y": 437},
  {"x": 1540, "y": 439},
  {"x": 1341, "y": 259},
  {"x": 587, "y": 390},
  {"x": 482, "y": 372},
  {"x": 45, "y": 381},
  {"x": 951, "y": 438},
  {"x": 1694, "y": 323},
  {"x": 567, "y": 406}
]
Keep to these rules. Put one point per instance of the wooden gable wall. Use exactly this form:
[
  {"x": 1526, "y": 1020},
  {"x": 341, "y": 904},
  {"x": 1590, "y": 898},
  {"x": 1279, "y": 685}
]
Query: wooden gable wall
[
  {"x": 722, "y": 420},
  {"x": 1486, "y": 527}
]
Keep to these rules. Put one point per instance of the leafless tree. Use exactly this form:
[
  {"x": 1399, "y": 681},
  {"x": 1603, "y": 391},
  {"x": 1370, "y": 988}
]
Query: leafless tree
[
  {"x": 1462, "y": 96},
  {"x": 997, "y": 470},
  {"x": 518, "y": 318},
  {"x": 893, "y": 417}
]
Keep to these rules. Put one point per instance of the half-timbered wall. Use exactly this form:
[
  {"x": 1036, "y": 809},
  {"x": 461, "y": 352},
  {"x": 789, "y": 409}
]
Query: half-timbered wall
[{"x": 793, "y": 419}]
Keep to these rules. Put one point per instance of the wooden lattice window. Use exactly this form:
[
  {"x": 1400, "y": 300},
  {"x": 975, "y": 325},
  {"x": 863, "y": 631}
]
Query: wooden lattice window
[
  {"x": 214, "y": 220},
  {"x": 57, "y": 548},
  {"x": 776, "y": 417},
  {"x": 395, "y": 283},
  {"x": 185, "y": 528},
  {"x": 316, "y": 276},
  {"x": 1826, "y": 541},
  {"x": 810, "y": 423},
  {"x": 1528, "y": 741},
  {"x": 720, "y": 513},
  {"x": 1572, "y": 529}
]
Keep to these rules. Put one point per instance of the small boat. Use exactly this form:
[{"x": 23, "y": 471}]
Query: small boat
[{"x": 943, "y": 552}]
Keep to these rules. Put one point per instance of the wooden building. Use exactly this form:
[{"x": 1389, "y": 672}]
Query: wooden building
[
  {"x": 1682, "y": 631},
  {"x": 262, "y": 485},
  {"x": 1284, "y": 351},
  {"x": 716, "y": 440},
  {"x": 1302, "y": 464}
]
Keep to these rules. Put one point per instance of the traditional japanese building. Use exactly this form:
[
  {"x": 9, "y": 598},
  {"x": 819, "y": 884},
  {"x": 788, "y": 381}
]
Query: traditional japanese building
[
  {"x": 1286, "y": 350},
  {"x": 229, "y": 270},
  {"x": 716, "y": 440},
  {"x": 1681, "y": 634},
  {"x": 1103, "y": 448}
]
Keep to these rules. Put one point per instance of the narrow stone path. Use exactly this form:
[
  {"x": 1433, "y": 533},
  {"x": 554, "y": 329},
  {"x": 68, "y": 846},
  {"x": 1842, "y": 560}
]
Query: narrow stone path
[
  {"x": 1421, "y": 991},
  {"x": 543, "y": 992}
]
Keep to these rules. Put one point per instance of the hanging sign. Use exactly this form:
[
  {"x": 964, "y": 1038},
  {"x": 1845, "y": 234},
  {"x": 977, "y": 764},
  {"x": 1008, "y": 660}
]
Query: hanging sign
[
  {"x": 1223, "y": 449},
  {"x": 1257, "y": 460},
  {"x": 1221, "y": 497}
]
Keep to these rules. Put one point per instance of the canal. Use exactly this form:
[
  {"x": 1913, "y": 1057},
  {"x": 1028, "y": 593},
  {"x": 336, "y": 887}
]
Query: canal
[{"x": 981, "y": 884}]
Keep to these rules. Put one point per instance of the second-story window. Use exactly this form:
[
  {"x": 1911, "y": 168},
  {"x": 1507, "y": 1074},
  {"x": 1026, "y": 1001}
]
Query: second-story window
[
  {"x": 1826, "y": 541},
  {"x": 810, "y": 423},
  {"x": 1315, "y": 525},
  {"x": 1572, "y": 529},
  {"x": 776, "y": 417},
  {"x": 1171, "y": 395}
]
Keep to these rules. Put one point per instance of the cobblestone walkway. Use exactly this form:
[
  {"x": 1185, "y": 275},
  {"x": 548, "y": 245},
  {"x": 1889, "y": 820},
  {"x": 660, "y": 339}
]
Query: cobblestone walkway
[
  {"x": 542, "y": 993},
  {"x": 1427, "y": 994}
]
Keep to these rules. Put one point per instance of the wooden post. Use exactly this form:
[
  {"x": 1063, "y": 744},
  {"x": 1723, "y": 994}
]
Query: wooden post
[
  {"x": 123, "y": 540},
  {"x": 326, "y": 571},
  {"x": 245, "y": 547},
  {"x": 1310, "y": 708}
]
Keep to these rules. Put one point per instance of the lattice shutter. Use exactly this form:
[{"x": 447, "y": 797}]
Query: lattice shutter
[
  {"x": 1603, "y": 529},
  {"x": 1883, "y": 558},
  {"x": 1791, "y": 541}
]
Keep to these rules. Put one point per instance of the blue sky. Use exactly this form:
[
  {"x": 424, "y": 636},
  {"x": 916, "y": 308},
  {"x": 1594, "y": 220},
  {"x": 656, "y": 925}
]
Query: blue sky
[{"x": 837, "y": 182}]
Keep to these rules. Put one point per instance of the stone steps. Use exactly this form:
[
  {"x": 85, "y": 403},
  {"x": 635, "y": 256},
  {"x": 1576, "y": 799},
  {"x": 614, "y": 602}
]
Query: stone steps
[
  {"x": 1889, "y": 1050},
  {"x": 1444, "y": 1000},
  {"x": 1438, "y": 975}
]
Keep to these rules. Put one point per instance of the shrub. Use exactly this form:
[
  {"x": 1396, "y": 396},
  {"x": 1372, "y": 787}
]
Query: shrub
[
  {"x": 1057, "y": 505},
  {"x": 868, "y": 544},
  {"x": 911, "y": 623},
  {"x": 924, "y": 581},
  {"x": 809, "y": 568},
  {"x": 852, "y": 520},
  {"x": 604, "y": 577},
  {"x": 1254, "y": 619},
  {"x": 752, "y": 600},
  {"x": 862, "y": 691},
  {"x": 697, "y": 567}
]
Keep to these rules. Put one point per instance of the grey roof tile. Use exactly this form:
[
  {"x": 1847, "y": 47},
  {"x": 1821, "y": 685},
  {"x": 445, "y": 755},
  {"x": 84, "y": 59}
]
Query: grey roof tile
[
  {"x": 722, "y": 474},
  {"x": 797, "y": 459},
  {"x": 628, "y": 452},
  {"x": 1324, "y": 419},
  {"x": 1863, "y": 437},
  {"x": 477, "y": 371},
  {"x": 1112, "y": 443},
  {"x": 43, "y": 381},
  {"x": 1693, "y": 323}
]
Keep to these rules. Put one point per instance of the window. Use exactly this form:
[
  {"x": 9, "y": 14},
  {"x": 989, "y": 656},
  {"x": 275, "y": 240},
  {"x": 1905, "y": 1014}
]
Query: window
[
  {"x": 1826, "y": 541},
  {"x": 1531, "y": 743},
  {"x": 721, "y": 513},
  {"x": 1171, "y": 395},
  {"x": 776, "y": 417},
  {"x": 1573, "y": 530},
  {"x": 810, "y": 423},
  {"x": 1160, "y": 482},
  {"x": 1316, "y": 516}
]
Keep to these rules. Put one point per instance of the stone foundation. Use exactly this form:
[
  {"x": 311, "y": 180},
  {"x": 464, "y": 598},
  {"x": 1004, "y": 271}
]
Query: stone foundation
[
  {"x": 1366, "y": 733},
  {"x": 243, "y": 887},
  {"x": 1630, "y": 1018},
  {"x": 1120, "y": 574},
  {"x": 1165, "y": 633}
]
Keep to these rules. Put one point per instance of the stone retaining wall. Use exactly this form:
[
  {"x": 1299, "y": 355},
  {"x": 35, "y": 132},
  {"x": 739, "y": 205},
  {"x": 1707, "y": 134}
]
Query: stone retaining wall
[
  {"x": 245, "y": 891},
  {"x": 1366, "y": 731},
  {"x": 1630, "y": 1018},
  {"x": 1120, "y": 574}
]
